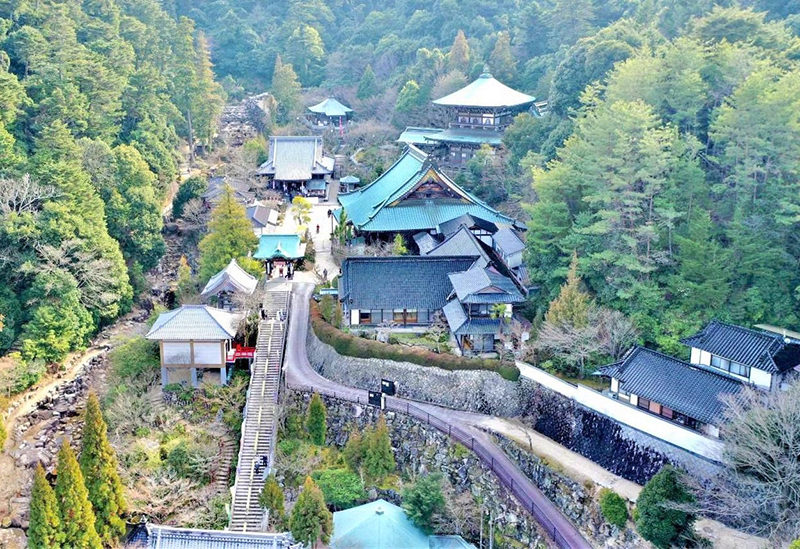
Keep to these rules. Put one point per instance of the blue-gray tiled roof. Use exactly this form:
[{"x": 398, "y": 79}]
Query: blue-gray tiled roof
[
  {"x": 745, "y": 346},
  {"x": 402, "y": 282},
  {"x": 483, "y": 286},
  {"x": 686, "y": 388}
]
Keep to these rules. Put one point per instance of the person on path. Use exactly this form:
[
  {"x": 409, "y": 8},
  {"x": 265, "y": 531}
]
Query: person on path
[{"x": 324, "y": 273}]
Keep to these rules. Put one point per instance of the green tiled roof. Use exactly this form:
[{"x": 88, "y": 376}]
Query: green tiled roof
[
  {"x": 467, "y": 136},
  {"x": 417, "y": 136},
  {"x": 370, "y": 208},
  {"x": 284, "y": 246},
  {"x": 485, "y": 91},
  {"x": 376, "y": 525}
]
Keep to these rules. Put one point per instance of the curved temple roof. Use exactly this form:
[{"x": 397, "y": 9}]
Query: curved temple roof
[
  {"x": 485, "y": 91},
  {"x": 330, "y": 107}
]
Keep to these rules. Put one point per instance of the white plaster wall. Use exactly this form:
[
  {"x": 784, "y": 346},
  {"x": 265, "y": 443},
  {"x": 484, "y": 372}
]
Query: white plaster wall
[
  {"x": 695, "y": 356},
  {"x": 628, "y": 414},
  {"x": 761, "y": 378},
  {"x": 207, "y": 352},
  {"x": 353, "y": 317},
  {"x": 177, "y": 352},
  {"x": 705, "y": 358}
]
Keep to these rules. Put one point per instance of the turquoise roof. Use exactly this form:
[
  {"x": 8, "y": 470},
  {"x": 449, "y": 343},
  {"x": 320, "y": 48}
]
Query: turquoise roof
[
  {"x": 416, "y": 135},
  {"x": 486, "y": 91},
  {"x": 467, "y": 136},
  {"x": 376, "y": 525},
  {"x": 381, "y": 206},
  {"x": 285, "y": 246}
]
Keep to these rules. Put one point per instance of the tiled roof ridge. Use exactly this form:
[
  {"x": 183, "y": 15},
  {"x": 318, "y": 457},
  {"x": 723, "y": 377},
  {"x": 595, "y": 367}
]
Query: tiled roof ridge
[{"x": 633, "y": 351}]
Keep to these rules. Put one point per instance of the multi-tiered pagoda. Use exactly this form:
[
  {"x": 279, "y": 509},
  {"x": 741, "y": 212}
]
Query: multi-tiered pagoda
[{"x": 479, "y": 114}]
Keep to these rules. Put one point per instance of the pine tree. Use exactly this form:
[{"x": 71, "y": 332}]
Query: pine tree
[
  {"x": 230, "y": 236},
  {"x": 99, "y": 467},
  {"x": 657, "y": 520},
  {"x": 424, "y": 499},
  {"x": 378, "y": 457},
  {"x": 353, "y": 451},
  {"x": 311, "y": 520},
  {"x": 74, "y": 507},
  {"x": 501, "y": 61},
  {"x": 459, "y": 56},
  {"x": 316, "y": 418},
  {"x": 572, "y": 306},
  {"x": 368, "y": 85},
  {"x": 44, "y": 531},
  {"x": 271, "y": 498}
]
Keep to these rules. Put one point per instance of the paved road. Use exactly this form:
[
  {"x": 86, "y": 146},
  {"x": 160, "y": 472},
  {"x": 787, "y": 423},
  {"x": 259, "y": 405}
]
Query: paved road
[{"x": 459, "y": 425}]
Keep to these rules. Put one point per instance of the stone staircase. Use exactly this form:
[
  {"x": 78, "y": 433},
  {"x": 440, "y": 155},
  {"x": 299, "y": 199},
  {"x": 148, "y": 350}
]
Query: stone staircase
[
  {"x": 256, "y": 449},
  {"x": 222, "y": 468}
]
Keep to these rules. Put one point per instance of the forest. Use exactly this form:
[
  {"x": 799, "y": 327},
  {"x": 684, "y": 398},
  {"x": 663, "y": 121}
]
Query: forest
[
  {"x": 95, "y": 98},
  {"x": 666, "y": 159}
]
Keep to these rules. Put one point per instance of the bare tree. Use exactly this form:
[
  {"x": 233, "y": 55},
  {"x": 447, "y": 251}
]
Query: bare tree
[
  {"x": 572, "y": 344},
  {"x": 438, "y": 328},
  {"x": 759, "y": 490},
  {"x": 385, "y": 329},
  {"x": 616, "y": 334},
  {"x": 195, "y": 216},
  {"x": 23, "y": 195}
]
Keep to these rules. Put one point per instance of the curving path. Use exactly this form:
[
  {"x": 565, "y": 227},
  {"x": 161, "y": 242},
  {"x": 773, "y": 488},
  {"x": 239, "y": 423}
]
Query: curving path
[{"x": 457, "y": 424}]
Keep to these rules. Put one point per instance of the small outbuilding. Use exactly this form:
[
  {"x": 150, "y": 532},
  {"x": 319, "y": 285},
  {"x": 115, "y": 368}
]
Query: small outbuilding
[
  {"x": 230, "y": 281},
  {"x": 329, "y": 112},
  {"x": 194, "y": 344},
  {"x": 280, "y": 251}
]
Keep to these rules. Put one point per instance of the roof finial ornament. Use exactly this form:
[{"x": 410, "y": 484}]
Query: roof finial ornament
[{"x": 487, "y": 73}]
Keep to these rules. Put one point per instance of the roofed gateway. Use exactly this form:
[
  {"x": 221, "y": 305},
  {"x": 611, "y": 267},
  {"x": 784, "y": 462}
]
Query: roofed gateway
[{"x": 414, "y": 195}]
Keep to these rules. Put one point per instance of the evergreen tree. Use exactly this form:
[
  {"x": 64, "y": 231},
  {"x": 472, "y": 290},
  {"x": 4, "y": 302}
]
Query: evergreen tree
[
  {"x": 459, "y": 56},
  {"x": 271, "y": 498},
  {"x": 230, "y": 236},
  {"x": 399, "y": 245},
  {"x": 285, "y": 88},
  {"x": 501, "y": 61},
  {"x": 423, "y": 500},
  {"x": 44, "y": 531},
  {"x": 99, "y": 467},
  {"x": 74, "y": 508},
  {"x": 368, "y": 85},
  {"x": 657, "y": 520},
  {"x": 316, "y": 417},
  {"x": 185, "y": 285},
  {"x": 378, "y": 458},
  {"x": 306, "y": 52},
  {"x": 409, "y": 98},
  {"x": 310, "y": 520},
  {"x": 353, "y": 451},
  {"x": 572, "y": 306}
]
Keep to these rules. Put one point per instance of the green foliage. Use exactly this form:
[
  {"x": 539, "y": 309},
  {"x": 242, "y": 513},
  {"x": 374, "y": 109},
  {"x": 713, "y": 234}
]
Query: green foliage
[
  {"x": 230, "y": 236},
  {"x": 409, "y": 98},
  {"x": 342, "y": 488},
  {"x": 3, "y": 433},
  {"x": 501, "y": 62},
  {"x": 44, "y": 530},
  {"x": 795, "y": 544},
  {"x": 368, "y": 85},
  {"x": 285, "y": 89},
  {"x": 74, "y": 508},
  {"x": 306, "y": 52},
  {"x": 572, "y": 305},
  {"x": 424, "y": 499},
  {"x": 185, "y": 285},
  {"x": 301, "y": 209},
  {"x": 377, "y": 456},
  {"x": 22, "y": 376},
  {"x": 98, "y": 463},
  {"x": 135, "y": 358},
  {"x": 194, "y": 187},
  {"x": 271, "y": 498},
  {"x": 657, "y": 520},
  {"x": 399, "y": 245},
  {"x": 349, "y": 345},
  {"x": 353, "y": 451},
  {"x": 613, "y": 508},
  {"x": 459, "y": 56},
  {"x": 310, "y": 519},
  {"x": 316, "y": 417}
]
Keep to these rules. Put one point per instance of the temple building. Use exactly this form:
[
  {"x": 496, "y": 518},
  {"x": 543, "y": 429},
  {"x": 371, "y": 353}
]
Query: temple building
[
  {"x": 413, "y": 195},
  {"x": 296, "y": 163},
  {"x": 479, "y": 113},
  {"x": 329, "y": 112},
  {"x": 280, "y": 253},
  {"x": 195, "y": 344},
  {"x": 226, "y": 284}
]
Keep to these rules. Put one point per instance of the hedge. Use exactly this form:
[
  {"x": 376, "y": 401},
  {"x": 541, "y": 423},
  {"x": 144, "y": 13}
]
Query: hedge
[{"x": 359, "y": 347}]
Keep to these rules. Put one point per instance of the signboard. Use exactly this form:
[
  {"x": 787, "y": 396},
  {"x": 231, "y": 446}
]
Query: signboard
[
  {"x": 376, "y": 399},
  {"x": 329, "y": 291},
  {"x": 388, "y": 387}
]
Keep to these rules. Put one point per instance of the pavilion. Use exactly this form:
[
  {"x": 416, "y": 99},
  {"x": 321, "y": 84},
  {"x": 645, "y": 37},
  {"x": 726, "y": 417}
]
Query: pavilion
[
  {"x": 280, "y": 251},
  {"x": 230, "y": 281},
  {"x": 330, "y": 112}
]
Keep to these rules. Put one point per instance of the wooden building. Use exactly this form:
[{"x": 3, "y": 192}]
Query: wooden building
[
  {"x": 295, "y": 162},
  {"x": 226, "y": 284},
  {"x": 329, "y": 112},
  {"x": 280, "y": 253},
  {"x": 195, "y": 344}
]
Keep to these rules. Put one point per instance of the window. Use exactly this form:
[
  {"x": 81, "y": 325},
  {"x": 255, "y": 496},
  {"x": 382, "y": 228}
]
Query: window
[
  {"x": 423, "y": 316},
  {"x": 655, "y": 407},
  {"x": 740, "y": 369},
  {"x": 411, "y": 316},
  {"x": 721, "y": 363},
  {"x": 397, "y": 315},
  {"x": 729, "y": 366},
  {"x": 364, "y": 317},
  {"x": 644, "y": 403},
  {"x": 667, "y": 412}
]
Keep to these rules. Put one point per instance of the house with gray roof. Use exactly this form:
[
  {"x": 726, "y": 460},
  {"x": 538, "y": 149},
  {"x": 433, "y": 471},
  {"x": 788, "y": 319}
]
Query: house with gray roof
[
  {"x": 194, "y": 343},
  {"x": 724, "y": 358},
  {"x": 763, "y": 358},
  {"x": 295, "y": 162},
  {"x": 261, "y": 216}
]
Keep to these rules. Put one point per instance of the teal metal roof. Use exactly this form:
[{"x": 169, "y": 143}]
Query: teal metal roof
[
  {"x": 415, "y": 135},
  {"x": 330, "y": 107},
  {"x": 376, "y": 525},
  {"x": 485, "y": 91},
  {"x": 274, "y": 246},
  {"x": 371, "y": 208},
  {"x": 467, "y": 136},
  {"x": 350, "y": 180},
  {"x": 317, "y": 185}
]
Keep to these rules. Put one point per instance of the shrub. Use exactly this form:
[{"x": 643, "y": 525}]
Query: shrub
[
  {"x": 316, "y": 418},
  {"x": 193, "y": 187},
  {"x": 22, "y": 376},
  {"x": 423, "y": 500},
  {"x": 134, "y": 358},
  {"x": 342, "y": 488},
  {"x": 657, "y": 520},
  {"x": 350, "y": 345},
  {"x": 3, "y": 433},
  {"x": 613, "y": 507}
]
